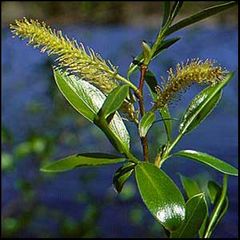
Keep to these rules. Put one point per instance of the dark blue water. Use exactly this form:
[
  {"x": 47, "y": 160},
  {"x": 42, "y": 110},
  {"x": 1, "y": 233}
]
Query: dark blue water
[{"x": 26, "y": 80}]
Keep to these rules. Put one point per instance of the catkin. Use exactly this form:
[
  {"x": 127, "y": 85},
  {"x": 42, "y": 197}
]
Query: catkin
[
  {"x": 194, "y": 71},
  {"x": 71, "y": 55}
]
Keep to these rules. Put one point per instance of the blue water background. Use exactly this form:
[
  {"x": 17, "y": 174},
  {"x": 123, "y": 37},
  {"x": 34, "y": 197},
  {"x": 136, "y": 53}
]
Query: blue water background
[{"x": 25, "y": 80}]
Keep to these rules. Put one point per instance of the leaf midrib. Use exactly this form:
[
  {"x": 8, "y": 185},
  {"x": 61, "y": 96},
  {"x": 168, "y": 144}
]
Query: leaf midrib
[{"x": 185, "y": 225}]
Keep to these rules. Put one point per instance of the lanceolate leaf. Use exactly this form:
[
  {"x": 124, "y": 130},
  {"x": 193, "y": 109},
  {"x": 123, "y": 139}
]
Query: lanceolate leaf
[
  {"x": 139, "y": 59},
  {"x": 176, "y": 8},
  {"x": 122, "y": 175},
  {"x": 196, "y": 210},
  {"x": 161, "y": 196},
  {"x": 209, "y": 160},
  {"x": 201, "y": 106},
  {"x": 192, "y": 188},
  {"x": 82, "y": 160},
  {"x": 166, "y": 15},
  {"x": 114, "y": 100},
  {"x": 164, "y": 45},
  {"x": 76, "y": 93},
  {"x": 87, "y": 100},
  {"x": 200, "y": 16},
  {"x": 145, "y": 123}
]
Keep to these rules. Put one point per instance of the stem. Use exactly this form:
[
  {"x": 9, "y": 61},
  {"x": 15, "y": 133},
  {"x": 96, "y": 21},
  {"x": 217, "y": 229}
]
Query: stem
[
  {"x": 160, "y": 38},
  {"x": 217, "y": 209},
  {"x": 144, "y": 141},
  {"x": 103, "y": 125},
  {"x": 164, "y": 155},
  {"x": 172, "y": 145}
]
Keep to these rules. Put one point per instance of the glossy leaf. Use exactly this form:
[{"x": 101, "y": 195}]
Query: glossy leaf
[
  {"x": 197, "y": 115},
  {"x": 88, "y": 100},
  {"x": 114, "y": 100},
  {"x": 76, "y": 93},
  {"x": 122, "y": 175},
  {"x": 196, "y": 209},
  {"x": 145, "y": 123},
  {"x": 202, "y": 105},
  {"x": 200, "y": 16},
  {"x": 139, "y": 59},
  {"x": 208, "y": 160},
  {"x": 190, "y": 186},
  {"x": 82, "y": 160},
  {"x": 204, "y": 225},
  {"x": 161, "y": 196}
]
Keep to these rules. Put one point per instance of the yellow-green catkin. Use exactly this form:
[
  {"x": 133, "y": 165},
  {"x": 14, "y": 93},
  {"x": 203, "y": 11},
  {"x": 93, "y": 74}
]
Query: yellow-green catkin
[
  {"x": 193, "y": 71},
  {"x": 72, "y": 57}
]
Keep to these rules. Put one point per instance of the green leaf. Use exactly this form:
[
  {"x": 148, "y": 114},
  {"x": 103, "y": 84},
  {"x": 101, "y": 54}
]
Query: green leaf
[
  {"x": 166, "y": 13},
  {"x": 138, "y": 60},
  {"x": 209, "y": 160},
  {"x": 175, "y": 9},
  {"x": 114, "y": 100},
  {"x": 145, "y": 123},
  {"x": 82, "y": 160},
  {"x": 161, "y": 196},
  {"x": 202, "y": 105},
  {"x": 200, "y": 16},
  {"x": 196, "y": 210},
  {"x": 220, "y": 208},
  {"x": 88, "y": 100},
  {"x": 204, "y": 225},
  {"x": 76, "y": 92},
  {"x": 190, "y": 186},
  {"x": 214, "y": 191},
  {"x": 122, "y": 175},
  {"x": 164, "y": 45}
]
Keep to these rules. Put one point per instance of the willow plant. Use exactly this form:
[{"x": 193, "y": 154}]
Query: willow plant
[{"x": 98, "y": 92}]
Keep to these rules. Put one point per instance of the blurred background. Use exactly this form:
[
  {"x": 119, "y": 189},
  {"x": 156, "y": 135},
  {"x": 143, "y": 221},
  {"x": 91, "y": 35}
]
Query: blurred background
[{"x": 39, "y": 126}]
